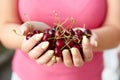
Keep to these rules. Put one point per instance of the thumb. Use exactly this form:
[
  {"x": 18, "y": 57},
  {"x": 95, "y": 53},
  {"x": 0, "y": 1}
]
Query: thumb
[
  {"x": 93, "y": 40},
  {"x": 25, "y": 28}
]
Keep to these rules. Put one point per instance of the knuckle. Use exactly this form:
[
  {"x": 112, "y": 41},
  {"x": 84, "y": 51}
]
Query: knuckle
[
  {"x": 68, "y": 63},
  {"x": 31, "y": 56},
  {"x": 24, "y": 48},
  {"x": 33, "y": 40},
  {"x": 78, "y": 63},
  {"x": 51, "y": 63},
  {"x": 88, "y": 59},
  {"x": 40, "y": 62}
]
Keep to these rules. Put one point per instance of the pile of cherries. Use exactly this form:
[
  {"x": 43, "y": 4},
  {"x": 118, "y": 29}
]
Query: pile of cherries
[{"x": 60, "y": 38}]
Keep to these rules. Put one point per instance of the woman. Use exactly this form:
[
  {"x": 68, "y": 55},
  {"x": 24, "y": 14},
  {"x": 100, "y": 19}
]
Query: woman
[{"x": 101, "y": 16}]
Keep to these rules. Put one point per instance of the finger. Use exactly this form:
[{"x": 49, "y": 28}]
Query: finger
[
  {"x": 29, "y": 44},
  {"x": 79, "y": 28},
  {"x": 25, "y": 28},
  {"x": 46, "y": 57},
  {"x": 38, "y": 50},
  {"x": 39, "y": 25},
  {"x": 77, "y": 58},
  {"x": 52, "y": 61},
  {"x": 58, "y": 59},
  {"x": 67, "y": 58},
  {"x": 33, "y": 25},
  {"x": 87, "y": 49},
  {"x": 93, "y": 40}
]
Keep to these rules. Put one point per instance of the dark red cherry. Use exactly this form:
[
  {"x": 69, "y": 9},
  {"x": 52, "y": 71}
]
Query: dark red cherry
[
  {"x": 29, "y": 36},
  {"x": 70, "y": 44},
  {"x": 79, "y": 33},
  {"x": 76, "y": 39},
  {"x": 87, "y": 32},
  {"x": 58, "y": 33},
  {"x": 46, "y": 31},
  {"x": 36, "y": 31},
  {"x": 46, "y": 37},
  {"x": 60, "y": 43},
  {"x": 69, "y": 32},
  {"x": 57, "y": 52},
  {"x": 52, "y": 30},
  {"x": 77, "y": 46}
]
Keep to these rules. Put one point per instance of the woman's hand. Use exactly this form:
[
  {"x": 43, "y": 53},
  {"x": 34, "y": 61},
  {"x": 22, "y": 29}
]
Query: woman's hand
[
  {"x": 38, "y": 53},
  {"x": 73, "y": 57}
]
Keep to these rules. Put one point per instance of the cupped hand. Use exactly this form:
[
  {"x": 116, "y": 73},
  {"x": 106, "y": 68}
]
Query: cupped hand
[
  {"x": 35, "y": 51},
  {"x": 74, "y": 57}
]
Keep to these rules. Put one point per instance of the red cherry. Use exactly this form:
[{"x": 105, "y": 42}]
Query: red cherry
[
  {"x": 58, "y": 33},
  {"x": 36, "y": 31},
  {"x": 87, "y": 32},
  {"x": 79, "y": 33},
  {"x": 29, "y": 36},
  {"x": 60, "y": 43},
  {"x": 46, "y": 37},
  {"x": 70, "y": 44},
  {"x": 57, "y": 52},
  {"x": 77, "y": 46}
]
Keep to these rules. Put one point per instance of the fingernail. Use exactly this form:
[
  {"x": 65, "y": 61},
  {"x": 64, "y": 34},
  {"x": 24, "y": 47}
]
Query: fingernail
[
  {"x": 65, "y": 52},
  {"x": 73, "y": 50},
  {"x": 50, "y": 52},
  {"x": 23, "y": 29},
  {"x": 53, "y": 58},
  {"x": 22, "y": 32},
  {"x": 96, "y": 43},
  {"x": 85, "y": 41},
  {"x": 38, "y": 36},
  {"x": 45, "y": 45}
]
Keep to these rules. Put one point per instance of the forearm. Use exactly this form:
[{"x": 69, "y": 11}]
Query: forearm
[
  {"x": 108, "y": 37},
  {"x": 8, "y": 38}
]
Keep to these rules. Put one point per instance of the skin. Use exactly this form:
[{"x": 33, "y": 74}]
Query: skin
[{"x": 107, "y": 36}]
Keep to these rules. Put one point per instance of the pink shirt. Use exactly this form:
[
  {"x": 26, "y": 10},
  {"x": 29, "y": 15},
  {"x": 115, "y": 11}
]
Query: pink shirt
[{"x": 89, "y": 12}]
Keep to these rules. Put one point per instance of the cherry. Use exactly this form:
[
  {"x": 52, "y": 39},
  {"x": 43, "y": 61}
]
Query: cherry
[
  {"x": 57, "y": 52},
  {"x": 87, "y": 33},
  {"x": 36, "y": 31},
  {"x": 46, "y": 37},
  {"x": 69, "y": 32},
  {"x": 79, "y": 33},
  {"x": 50, "y": 31},
  {"x": 70, "y": 44},
  {"x": 77, "y": 46},
  {"x": 58, "y": 34},
  {"x": 60, "y": 43},
  {"x": 29, "y": 36}
]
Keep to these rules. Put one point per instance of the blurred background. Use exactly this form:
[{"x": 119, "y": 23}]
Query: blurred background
[
  {"x": 111, "y": 69},
  {"x": 5, "y": 63}
]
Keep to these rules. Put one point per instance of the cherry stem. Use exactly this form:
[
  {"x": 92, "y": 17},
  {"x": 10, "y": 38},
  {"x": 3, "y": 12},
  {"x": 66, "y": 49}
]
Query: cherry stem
[
  {"x": 57, "y": 19},
  {"x": 31, "y": 27},
  {"x": 64, "y": 21},
  {"x": 27, "y": 17},
  {"x": 84, "y": 26},
  {"x": 66, "y": 44},
  {"x": 16, "y": 32},
  {"x": 72, "y": 23}
]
